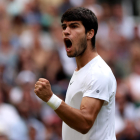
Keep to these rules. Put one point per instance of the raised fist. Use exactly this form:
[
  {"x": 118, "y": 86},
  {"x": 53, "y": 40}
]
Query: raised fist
[{"x": 43, "y": 89}]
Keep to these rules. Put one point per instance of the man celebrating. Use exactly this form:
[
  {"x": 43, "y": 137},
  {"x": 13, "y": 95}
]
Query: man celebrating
[{"x": 89, "y": 109}]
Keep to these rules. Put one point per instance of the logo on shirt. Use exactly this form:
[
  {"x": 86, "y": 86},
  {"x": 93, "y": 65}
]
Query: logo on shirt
[
  {"x": 97, "y": 91},
  {"x": 71, "y": 82}
]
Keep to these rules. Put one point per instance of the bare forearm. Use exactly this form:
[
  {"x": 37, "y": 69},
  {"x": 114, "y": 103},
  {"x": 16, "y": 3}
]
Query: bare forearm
[
  {"x": 75, "y": 118},
  {"x": 79, "y": 119}
]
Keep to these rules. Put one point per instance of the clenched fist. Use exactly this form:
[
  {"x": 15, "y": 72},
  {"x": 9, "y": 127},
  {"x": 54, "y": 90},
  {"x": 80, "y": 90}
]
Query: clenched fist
[{"x": 43, "y": 89}]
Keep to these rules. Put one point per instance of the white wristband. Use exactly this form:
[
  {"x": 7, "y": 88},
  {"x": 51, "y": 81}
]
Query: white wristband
[{"x": 54, "y": 102}]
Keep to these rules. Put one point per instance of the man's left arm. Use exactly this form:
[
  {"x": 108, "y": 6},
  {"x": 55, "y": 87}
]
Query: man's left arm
[{"x": 79, "y": 119}]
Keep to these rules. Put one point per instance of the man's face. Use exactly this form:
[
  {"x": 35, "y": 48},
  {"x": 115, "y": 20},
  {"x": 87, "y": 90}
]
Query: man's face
[{"x": 74, "y": 38}]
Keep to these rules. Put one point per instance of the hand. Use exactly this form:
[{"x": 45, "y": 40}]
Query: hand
[{"x": 43, "y": 89}]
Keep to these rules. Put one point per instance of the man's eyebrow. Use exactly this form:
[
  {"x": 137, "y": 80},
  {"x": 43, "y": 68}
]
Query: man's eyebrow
[
  {"x": 70, "y": 24},
  {"x": 74, "y": 23},
  {"x": 63, "y": 25}
]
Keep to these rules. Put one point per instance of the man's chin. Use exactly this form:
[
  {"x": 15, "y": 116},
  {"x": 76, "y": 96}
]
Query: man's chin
[{"x": 70, "y": 55}]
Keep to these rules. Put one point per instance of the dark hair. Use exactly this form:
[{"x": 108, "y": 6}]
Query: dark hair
[{"x": 86, "y": 16}]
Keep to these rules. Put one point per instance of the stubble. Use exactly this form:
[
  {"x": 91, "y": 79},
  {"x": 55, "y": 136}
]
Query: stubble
[{"x": 82, "y": 45}]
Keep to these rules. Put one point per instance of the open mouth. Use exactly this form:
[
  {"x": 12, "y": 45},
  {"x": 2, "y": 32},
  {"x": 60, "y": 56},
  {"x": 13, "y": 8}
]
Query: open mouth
[{"x": 68, "y": 43}]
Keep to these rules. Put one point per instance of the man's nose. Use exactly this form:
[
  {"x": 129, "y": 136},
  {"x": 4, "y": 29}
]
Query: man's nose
[{"x": 66, "y": 31}]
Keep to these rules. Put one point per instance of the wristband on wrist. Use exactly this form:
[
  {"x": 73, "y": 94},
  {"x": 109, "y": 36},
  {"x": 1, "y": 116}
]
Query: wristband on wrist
[{"x": 54, "y": 102}]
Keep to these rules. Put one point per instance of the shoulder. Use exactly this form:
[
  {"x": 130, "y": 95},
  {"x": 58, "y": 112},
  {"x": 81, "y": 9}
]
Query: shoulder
[
  {"x": 100, "y": 82},
  {"x": 100, "y": 75},
  {"x": 100, "y": 71}
]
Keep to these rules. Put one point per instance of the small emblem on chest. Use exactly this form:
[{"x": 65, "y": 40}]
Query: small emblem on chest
[{"x": 97, "y": 91}]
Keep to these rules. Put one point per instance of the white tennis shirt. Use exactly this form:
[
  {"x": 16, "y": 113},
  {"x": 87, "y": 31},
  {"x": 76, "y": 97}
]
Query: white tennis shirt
[{"x": 94, "y": 80}]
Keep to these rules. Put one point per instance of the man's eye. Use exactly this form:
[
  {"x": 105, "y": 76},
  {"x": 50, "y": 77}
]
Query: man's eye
[
  {"x": 73, "y": 26},
  {"x": 63, "y": 27}
]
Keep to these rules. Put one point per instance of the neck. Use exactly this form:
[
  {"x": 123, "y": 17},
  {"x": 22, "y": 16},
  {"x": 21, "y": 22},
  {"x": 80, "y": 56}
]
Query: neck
[{"x": 87, "y": 56}]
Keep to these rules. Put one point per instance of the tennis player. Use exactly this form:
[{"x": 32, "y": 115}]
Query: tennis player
[{"x": 89, "y": 108}]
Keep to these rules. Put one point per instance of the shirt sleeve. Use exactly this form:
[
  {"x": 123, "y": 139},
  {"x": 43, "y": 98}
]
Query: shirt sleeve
[{"x": 97, "y": 86}]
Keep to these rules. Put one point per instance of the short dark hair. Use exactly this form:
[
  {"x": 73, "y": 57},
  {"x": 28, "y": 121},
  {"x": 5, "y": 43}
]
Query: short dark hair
[{"x": 86, "y": 16}]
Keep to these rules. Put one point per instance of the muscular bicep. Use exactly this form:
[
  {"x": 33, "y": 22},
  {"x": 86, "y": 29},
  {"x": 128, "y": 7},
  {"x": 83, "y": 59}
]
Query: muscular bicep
[
  {"x": 90, "y": 108},
  {"x": 83, "y": 119}
]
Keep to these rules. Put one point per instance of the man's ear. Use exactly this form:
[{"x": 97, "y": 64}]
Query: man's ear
[{"x": 90, "y": 34}]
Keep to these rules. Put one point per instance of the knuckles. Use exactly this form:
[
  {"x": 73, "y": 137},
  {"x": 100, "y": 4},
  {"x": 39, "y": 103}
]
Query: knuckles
[
  {"x": 40, "y": 85},
  {"x": 43, "y": 85},
  {"x": 43, "y": 80}
]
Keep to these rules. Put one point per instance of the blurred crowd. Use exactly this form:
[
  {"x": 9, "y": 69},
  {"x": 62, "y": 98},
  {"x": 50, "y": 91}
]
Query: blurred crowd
[{"x": 31, "y": 47}]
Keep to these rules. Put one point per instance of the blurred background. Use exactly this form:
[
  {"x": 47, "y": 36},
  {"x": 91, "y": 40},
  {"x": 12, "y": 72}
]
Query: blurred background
[{"x": 31, "y": 47}]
